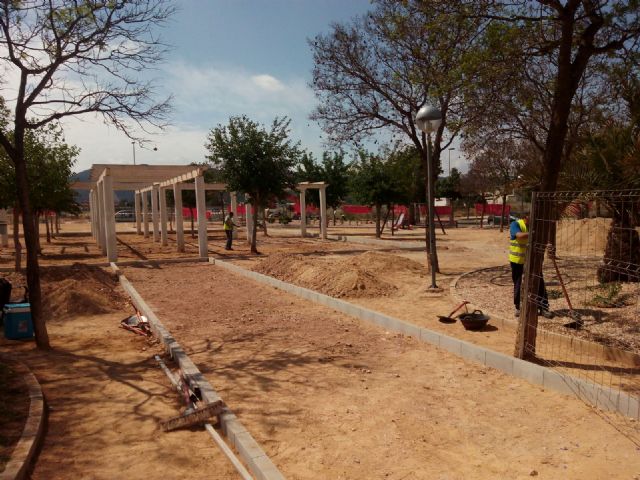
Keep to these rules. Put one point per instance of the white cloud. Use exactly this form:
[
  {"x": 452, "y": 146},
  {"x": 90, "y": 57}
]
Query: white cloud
[{"x": 268, "y": 83}]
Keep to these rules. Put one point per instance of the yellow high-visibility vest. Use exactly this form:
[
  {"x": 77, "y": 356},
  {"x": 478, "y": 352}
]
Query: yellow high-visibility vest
[{"x": 518, "y": 248}]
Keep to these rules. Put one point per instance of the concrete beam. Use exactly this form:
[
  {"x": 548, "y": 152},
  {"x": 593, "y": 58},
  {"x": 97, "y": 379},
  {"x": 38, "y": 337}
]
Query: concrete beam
[
  {"x": 109, "y": 219},
  {"x": 177, "y": 195},
  {"x": 145, "y": 213},
  {"x": 155, "y": 220},
  {"x": 303, "y": 214},
  {"x": 138, "y": 211},
  {"x": 163, "y": 217},
  {"x": 203, "y": 247}
]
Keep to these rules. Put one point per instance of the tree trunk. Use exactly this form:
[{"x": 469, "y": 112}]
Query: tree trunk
[
  {"x": 36, "y": 224},
  {"x": 504, "y": 206},
  {"x": 31, "y": 242},
  {"x": 393, "y": 219},
  {"x": 378, "y": 214},
  {"x": 16, "y": 238},
  {"x": 48, "y": 230},
  {"x": 264, "y": 221},
  {"x": 57, "y": 224},
  {"x": 254, "y": 228}
]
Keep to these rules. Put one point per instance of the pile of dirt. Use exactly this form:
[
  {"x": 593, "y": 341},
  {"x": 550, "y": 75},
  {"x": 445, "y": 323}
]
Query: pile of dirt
[
  {"x": 79, "y": 290},
  {"x": 582, "y": 237},
  {"x": 358, "y": 276}
]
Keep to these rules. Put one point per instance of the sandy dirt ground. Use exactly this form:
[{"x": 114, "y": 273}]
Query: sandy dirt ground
[
  {"x": 330, "y": 397},
  {"x": 325, "y": 395},
  {"x": 106, "y": 394}
]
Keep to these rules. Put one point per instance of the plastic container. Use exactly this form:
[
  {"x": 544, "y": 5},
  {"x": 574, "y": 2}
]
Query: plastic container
[{"x": 17, "y": 321}]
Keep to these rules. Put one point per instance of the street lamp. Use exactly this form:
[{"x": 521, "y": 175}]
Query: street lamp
[
  {"x": 133, "y": 144},
  {"x": 450, "y": 160},
  {"x": 428, "y": 120}
]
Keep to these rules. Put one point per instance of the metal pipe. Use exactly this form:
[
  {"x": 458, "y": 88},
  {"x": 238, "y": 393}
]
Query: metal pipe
[{"x": 215, "y": 435}]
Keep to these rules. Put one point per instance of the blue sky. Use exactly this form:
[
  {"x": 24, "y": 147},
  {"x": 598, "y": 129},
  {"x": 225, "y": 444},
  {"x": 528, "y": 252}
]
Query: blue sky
[{"x": 228, "y": 57}]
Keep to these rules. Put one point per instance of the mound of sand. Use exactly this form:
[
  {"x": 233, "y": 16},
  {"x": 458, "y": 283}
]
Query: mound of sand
[
  {"x": 358, "y": 276},
  {"x": 79, "y": 290}
]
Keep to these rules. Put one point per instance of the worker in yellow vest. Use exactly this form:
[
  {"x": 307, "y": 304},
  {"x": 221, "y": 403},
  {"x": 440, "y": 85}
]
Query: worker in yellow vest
[
  {"x": 519, "y": 235},
  {"x": 228, "y": 230}
]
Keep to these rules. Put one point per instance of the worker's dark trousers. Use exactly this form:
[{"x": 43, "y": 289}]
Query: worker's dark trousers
[
  {"x": 517, "y": 269},
  {"x": 229, "y": 234}
]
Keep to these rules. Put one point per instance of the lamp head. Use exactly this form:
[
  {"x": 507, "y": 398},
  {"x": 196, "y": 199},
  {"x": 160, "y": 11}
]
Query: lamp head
[{"x": 428, "y": 119}]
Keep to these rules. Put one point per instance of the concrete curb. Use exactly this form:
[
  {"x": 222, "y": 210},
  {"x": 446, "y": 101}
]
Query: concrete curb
[
  {"x": 237, "y": 435},
  {"x": 24, "y": 452},
  {"x": 599, "y": 396}
]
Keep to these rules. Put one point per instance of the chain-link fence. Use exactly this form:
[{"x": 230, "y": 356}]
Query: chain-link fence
[{"x": 583, "y": 269}]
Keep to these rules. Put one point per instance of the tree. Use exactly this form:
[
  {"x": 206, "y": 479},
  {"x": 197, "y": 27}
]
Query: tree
[
  {"x": 72, "y": 58},
  {"x": 50, "y": 163},
  {"x": 499, "y": 163},
  {"x": 335, "y": 172},
  {"x": 254, "y": 160},
  {"x": 449, "y": 187},
  {"x": 375, "y": 73},
  {"x": 373, "y": 183}
]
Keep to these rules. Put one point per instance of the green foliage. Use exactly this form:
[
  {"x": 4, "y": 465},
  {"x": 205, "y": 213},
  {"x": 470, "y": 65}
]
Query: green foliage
[
  {"x": 332, "y": 170},
  {"x": 449, "y": 187},
  {"x": 607, "y": 295},
  {"x": 254, "y": 160},
  {"x": 49, "y": 165},
  {"x": 375, "y": 181}
]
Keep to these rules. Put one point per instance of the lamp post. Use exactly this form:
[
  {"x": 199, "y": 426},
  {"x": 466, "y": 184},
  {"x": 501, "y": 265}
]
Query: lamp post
[
  {"x": 428, "y": 120},
  {"x": 133, "y": 145},
  {"x": 450, "y": 160}
]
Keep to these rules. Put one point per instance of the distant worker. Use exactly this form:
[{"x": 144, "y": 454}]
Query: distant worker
[
  {"x": 228, "y": 229},
  {"x": 519, "y": 235}
]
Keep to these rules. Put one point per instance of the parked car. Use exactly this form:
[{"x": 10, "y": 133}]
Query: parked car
[{"x": 125, "y": 216}]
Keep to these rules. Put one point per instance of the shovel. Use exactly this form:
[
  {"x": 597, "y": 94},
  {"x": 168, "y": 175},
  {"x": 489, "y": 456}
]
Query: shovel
[{"x": 449, "y": 318}]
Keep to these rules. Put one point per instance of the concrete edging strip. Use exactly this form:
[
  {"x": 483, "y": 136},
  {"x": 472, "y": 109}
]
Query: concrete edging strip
[
  {"x": 597, "y": 395},
  {"x": 22, "y": 455},
  {"x": 379, "y": 242},
  {"x": 249, "y": 450}
]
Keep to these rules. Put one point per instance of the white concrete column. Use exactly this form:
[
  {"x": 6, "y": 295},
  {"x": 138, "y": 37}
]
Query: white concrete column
[
  {"x": 102, "y": 241},
  {"x": 109, "y": 219},
  {"x": 137, "y": 202},
  {"x": 234, "y": 209},
  {"x": 303, "y": 213},
  {"x": 203, "y": 247},
  {"x": 154, "y": 213},
  {"x": 177, "y": 198},
  {"x": 92, "y": 219},
  {"x": 163, "y": 216},
  {"x": 323, "y": 212},
  {"x": 145, "y": 214}
]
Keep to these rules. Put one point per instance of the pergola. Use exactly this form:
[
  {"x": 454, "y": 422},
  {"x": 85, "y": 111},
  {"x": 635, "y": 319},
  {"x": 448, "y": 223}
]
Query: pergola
[
  {"x": 153, "y": 181},
  {"x": 322, "y": 189},
  {"x": 146, "y": 180}
]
